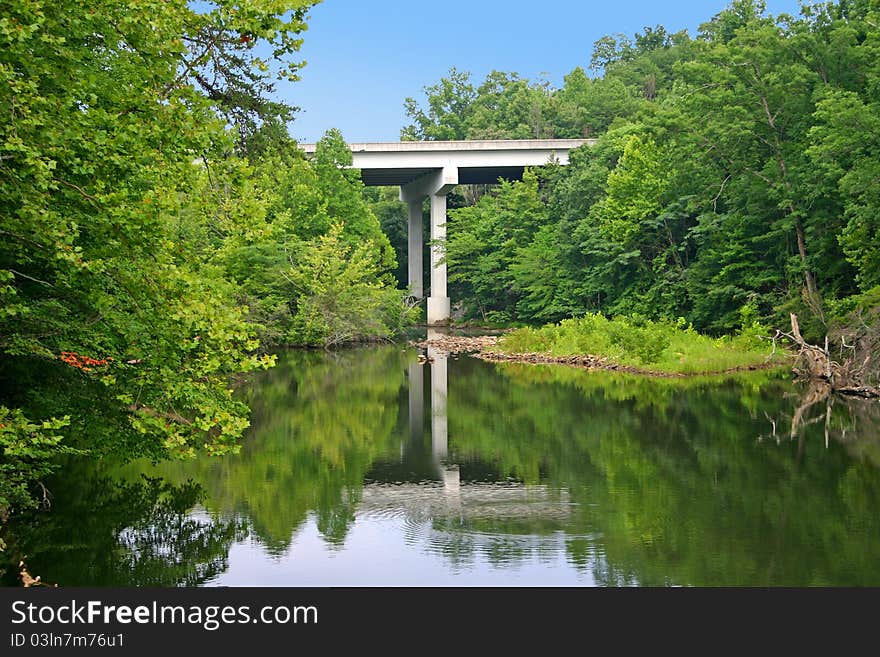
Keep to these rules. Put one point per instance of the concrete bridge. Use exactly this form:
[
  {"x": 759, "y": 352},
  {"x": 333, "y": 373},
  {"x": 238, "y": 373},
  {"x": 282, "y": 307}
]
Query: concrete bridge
[{"x": 430, "y": 169}]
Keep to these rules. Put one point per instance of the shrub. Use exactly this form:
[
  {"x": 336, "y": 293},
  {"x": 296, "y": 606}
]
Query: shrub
[{"x": 669, "y": 346}]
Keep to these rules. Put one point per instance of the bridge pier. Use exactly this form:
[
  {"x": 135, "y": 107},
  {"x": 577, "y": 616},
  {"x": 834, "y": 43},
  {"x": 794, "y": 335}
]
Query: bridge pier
[
  {"x": 438, "y": 302},
  {"x": 434, "y": 185},
  {"x": 414, "y": 235}
]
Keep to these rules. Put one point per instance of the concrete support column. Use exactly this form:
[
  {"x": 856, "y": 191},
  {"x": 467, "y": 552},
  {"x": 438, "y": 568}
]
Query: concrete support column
[
  {"x": 434, "y": 185},
  {"x": 438, "y": 302},
  {"x": 416, "y": 284}
]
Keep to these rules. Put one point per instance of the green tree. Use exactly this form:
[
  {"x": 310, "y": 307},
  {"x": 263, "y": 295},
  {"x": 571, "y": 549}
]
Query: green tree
[
  {"x": 449, "y": 105},
  {"x": 294, "y": 203},
  {"x": 339, "y": 297},
  {"x": 587, "y": 106},
  {"x": 635, "y": 191},
  {"x": 109, "y": 112},
  {"x": 510, "y": 107},
  {"x": 483, "y": 242}
]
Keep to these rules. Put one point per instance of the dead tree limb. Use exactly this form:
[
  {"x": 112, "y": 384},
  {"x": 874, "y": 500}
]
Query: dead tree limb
[{"x": 816, "y": 364}]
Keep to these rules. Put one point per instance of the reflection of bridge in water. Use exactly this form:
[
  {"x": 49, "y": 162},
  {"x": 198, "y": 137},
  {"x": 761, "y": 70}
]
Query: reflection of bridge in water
[{"x": 429, "y": 486}]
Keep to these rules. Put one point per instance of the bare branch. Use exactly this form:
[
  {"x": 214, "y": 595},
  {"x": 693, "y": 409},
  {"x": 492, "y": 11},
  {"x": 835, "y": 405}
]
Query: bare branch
[
  {"x": 83, "y": 192},
  {"x": 30, "y": 278}
]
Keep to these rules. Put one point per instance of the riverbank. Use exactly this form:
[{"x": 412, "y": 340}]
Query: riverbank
[
  {"x": 600, "y": 363},
  {"x": 488, "y": 348}
]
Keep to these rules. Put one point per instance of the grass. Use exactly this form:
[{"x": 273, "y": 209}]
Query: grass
[{"x": 658, "y": 346}]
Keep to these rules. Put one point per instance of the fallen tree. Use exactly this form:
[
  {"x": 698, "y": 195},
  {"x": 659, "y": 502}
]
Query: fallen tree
[{"x": 852, "y": 375}]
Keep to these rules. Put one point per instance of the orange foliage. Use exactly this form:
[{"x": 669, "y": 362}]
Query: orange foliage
[{"x": 80, "y": 362}]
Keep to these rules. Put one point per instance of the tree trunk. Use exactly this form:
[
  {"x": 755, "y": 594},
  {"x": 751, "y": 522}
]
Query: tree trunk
[{"x": 809, "y": 280}]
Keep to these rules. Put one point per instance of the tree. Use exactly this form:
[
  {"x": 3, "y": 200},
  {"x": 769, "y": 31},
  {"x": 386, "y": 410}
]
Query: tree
[
  {"x": 587, "y": 107},
  {"x": 509, "y": 107},
  {"x": 103, "y": 240},
  {"x": 233, "y": 50},
  {"x": 338, "y": 293},
  {"x": 484, "y": 241},
  {"x": 448, "y": 111},
  {"x": 635, "y": 191},
  {"x": 751, "y": 115}
]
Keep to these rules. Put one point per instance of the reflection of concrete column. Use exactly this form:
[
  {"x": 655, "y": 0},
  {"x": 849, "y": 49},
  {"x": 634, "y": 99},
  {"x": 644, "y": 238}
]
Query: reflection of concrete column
[
  {"x": 438, "y": 302},
  {"x": 451, "y": 480},
  {"x": 439, "y": 437},
  {"x": 451, "y": 488},
  {"x": 416, "y": 286},
  {"x": 416, "y": 401}
]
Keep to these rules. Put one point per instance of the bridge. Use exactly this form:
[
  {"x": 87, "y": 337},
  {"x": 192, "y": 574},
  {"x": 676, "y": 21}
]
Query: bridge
[{"x": 431, "y": 169}]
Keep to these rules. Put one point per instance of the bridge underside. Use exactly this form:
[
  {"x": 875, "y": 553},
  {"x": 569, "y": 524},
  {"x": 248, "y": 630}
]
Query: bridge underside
[
  {"x": 466, "y": 175},
  {"x": 431, "y": 170}
]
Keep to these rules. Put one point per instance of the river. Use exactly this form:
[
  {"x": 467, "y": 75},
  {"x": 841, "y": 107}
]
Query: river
[{"x": 375, "y": 466}]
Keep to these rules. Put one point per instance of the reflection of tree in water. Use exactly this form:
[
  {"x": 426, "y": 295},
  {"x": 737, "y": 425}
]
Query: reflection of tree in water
[
  {"x": 669, "y": 479},
  {"x": 171, "y": 546},
  {"x": 105, "y": 532},
  {"x": 635, "y": 481},
  {"x": 319, "y": 420}
]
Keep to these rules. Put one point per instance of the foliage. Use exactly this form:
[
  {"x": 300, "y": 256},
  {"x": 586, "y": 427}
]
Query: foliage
[
  {"x": 339, "y": 297},
  {"x": 635, "y": 190},
  {"x": 445, "y": 118},
  {"x": 234, "y": 51},
  {"x": 140, "y": 254},
  {"x": 484, "y": 241},
  {"x": 97, "y": 163},
  {"x": 733, "y": 169},
  {"x": 393, "y": 218},
  {"x": 504, "y": 106},
  {"x": 291, "y": 270},
  {"x": 27, "y": 451},
  {"x": 633, "y": 340}
]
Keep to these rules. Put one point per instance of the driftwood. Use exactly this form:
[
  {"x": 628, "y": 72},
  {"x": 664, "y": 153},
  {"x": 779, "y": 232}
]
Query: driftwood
[
  {"x": 816, "y": 365},
  {"x": 829, "y": 380}
]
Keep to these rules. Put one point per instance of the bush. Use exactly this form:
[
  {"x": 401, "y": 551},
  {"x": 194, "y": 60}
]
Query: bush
[
  {"x": 634, "y": 340},
  {"x": 646, "y": 343},
  {"x": 340, "y": 296}
]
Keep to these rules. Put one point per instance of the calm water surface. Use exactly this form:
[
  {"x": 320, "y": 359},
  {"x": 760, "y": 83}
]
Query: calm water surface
[{"x": 369, "y": 467}]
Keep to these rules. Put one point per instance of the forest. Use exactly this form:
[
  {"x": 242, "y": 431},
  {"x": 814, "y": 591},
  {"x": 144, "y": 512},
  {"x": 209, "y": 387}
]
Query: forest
[
  {"x": 161, "y": 234},
  {"x": 733, "y": 178}
]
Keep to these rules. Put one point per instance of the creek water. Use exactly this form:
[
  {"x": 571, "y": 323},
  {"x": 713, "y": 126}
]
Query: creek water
[{"x": 384, "y": 466}]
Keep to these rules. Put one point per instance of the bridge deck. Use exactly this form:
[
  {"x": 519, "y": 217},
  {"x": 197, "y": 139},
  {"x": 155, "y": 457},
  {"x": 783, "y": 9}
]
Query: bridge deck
[{"x": 478, "y": 161}]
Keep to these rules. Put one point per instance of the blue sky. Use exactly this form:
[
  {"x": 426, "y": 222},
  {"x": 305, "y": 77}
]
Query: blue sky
[{"x": 366, "y": 56}]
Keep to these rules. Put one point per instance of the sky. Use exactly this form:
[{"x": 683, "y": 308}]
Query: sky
[{"x": 364, "y": 57}]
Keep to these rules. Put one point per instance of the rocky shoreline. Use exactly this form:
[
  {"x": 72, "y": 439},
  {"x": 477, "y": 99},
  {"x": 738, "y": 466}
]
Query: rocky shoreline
[{"x": 458, "y": 344}]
